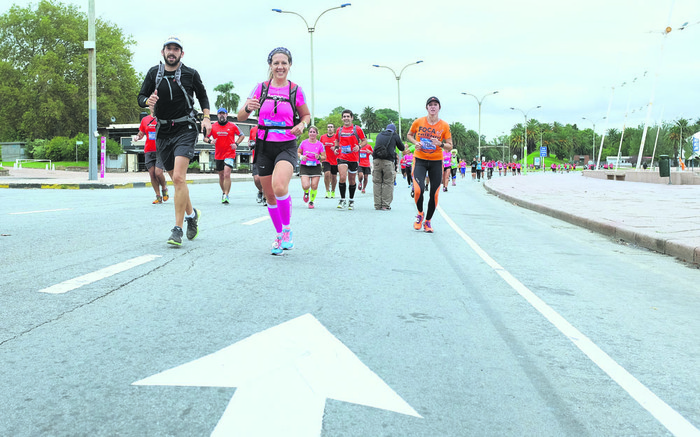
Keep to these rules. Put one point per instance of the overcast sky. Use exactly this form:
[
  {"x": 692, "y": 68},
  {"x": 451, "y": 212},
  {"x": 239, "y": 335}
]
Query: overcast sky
[{"x": 561, "y": 54}]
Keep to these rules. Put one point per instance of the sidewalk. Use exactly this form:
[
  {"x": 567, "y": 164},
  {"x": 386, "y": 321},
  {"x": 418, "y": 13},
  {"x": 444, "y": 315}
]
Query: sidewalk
[
  {"x": 62, "y": 179},
  {"x": 662, "y": 218}
]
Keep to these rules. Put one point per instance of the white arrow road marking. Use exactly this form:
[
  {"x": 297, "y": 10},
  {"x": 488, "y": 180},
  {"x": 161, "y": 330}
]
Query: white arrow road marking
[
  {"x": 78, "y": 282},
  {"x": 667, "y": 416},
  {"x": 37, "y": 212},
  {"x": 283, "y": 377}
]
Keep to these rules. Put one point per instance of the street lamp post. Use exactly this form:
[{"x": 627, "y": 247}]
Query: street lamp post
[
  {"x": 311, "y": 30},
  {"x": 479, "y": 102},
  {"x": 594, "y": 122},
  {"x": 398, "y": 86},
  {"x": 525, "y": 142}
]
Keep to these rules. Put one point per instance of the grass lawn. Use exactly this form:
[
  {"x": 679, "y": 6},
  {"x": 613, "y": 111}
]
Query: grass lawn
[{"x": 43, "y": 164}]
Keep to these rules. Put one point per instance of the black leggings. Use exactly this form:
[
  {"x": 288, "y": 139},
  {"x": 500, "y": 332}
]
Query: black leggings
[{"x": 433, "y": 169}]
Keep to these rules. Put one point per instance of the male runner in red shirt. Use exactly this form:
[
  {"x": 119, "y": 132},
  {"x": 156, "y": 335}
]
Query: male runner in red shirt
[
  {"x": 330, "y": 164},
  {"x": 225, "y": 143},
  {"x": 155, "y": 168},
  {"x": 349, "y": 139}
]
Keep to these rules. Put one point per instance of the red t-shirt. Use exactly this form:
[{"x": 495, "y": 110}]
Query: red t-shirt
[
  {"x": 347, "y": 140},
  {"x": 365, "y": 153},
  {"x": 148, "y": 127},
  {"x": 328, "y": 143},
  {"x": 225, "y": 139}
]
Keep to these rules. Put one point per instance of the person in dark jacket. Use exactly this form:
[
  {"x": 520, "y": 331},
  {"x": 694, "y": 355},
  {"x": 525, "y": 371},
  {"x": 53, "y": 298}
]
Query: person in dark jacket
[
  {"x": 384, "y": 171},
  {"x": 168, "y": 89}
]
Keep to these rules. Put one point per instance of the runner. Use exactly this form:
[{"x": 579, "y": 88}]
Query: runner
[
  {"x": 365, "y": 167},
  {"x": 226, "y": 137},
  {"x": 349, "y": 139},
  {"x": 430, "y": 135},
  {"x": 473, "y": 169},
  {"x": 454, "y": 164},
  {"x": 330, "y": 164},
  {"x": 277, "y": 100},
  {"x": 147, "y": 128},
  {"x": 256, "y": 176},
  {"x": 463, "y": 168},
  {"x": 310, "y": 152},
  {"x": 446, "y": 168},
  {"x": 168, "y": 89}
]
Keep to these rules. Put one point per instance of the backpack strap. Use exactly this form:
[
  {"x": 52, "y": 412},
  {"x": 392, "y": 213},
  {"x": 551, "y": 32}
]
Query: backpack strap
[{"x": 264, "y": 95}]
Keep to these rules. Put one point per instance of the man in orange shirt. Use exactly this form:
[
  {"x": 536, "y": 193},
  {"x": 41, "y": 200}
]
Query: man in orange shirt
[{"x": 430, "y": 135}]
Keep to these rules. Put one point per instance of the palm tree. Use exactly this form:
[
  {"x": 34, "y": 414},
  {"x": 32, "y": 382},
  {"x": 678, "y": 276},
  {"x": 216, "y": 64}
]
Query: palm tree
[
  {"x": 678, "y": 132},
  {"x": 369, "y": 119},
  {"x": 227, "y": 98}
]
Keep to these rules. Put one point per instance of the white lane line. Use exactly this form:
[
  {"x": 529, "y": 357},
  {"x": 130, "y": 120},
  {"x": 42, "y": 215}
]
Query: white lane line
[
  {"x": 257, "y": 220},
  {"x": 666, "y": 415},
  {"x": 78, "y": 282},
  {"x": 37, "y": 212}
]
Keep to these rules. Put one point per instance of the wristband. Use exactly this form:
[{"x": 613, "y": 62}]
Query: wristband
[{"x": 247, "y": 110}]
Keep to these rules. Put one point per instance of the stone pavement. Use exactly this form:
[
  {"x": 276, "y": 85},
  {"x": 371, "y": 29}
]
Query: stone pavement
[{"x": 659, "y": 217}]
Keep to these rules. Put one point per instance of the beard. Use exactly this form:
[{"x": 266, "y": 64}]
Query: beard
[
  {"x": 172, "y": 63},
  {"x": 223, "y": 123}
]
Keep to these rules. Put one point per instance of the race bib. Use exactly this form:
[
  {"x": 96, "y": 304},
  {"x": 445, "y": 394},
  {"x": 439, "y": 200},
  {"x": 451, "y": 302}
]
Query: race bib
[
  {"x": 311, "y": 162},
  {"x": 363, "y": 155},
  {"x": 268, "y": 122},
  {"x": 427, "y": 144},
  {"x": 447, "y": 162},
  {"x": 346, "y": 149},
  {"x": 151, "y": 135}
]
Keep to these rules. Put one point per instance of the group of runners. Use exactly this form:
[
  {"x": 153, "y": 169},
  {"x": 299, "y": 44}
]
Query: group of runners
[{"x": 341, "y": 155}]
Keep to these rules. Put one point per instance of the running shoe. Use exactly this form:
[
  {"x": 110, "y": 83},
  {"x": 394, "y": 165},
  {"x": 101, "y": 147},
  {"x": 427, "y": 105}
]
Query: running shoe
[
  {"x": 359, "y": 186},
  {"x": 176, "y": 236},
  {"x": 351, "y": 205},
  {"x": 225, "y": 200},
  {"x": 158, "y": 200},
  {"x": 306, "y": 197},
  {"x": 311, "y": 205},
  {"x": 328, "y": 194},
  {"x": 419, "y": 221},
  {"x": 264, "y": 202},
  {"x": 413, "y": 194},
  {"x": 427, "y": 227},
  {"x": 287, "y": 241},
  {"x": 260, "y": 197},
  {"x": 277, "y": 246},
  {"x": 444, "y": 188},
  {"x": 341, "y": 204},
  {"x": 363, "y": 190},
  {"x": 166, "y": 196},
  {"x": 332, "y": 194},
  {"x": 454, "y": 184},
  {"x": 192, "y": 229}
]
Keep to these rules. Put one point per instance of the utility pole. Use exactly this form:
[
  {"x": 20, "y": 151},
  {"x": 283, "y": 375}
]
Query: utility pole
[{"x": 92, "y": 93}]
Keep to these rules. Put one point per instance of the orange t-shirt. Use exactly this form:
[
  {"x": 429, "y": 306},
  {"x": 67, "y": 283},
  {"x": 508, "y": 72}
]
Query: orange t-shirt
[{"x": 424, "y": 132}]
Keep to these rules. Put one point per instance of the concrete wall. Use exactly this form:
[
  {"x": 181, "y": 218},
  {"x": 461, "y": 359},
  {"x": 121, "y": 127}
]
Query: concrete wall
[{"x": 687, "y": 177}]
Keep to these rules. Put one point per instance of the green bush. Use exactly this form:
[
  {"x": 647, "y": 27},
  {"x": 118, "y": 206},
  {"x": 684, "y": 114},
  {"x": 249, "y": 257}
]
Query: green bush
[
  {"x": 59, "y": 149},
  {"x": 194, "y": 164}
]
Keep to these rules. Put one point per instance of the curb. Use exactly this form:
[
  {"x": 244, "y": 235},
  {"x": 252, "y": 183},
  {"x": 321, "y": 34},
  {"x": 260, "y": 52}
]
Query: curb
[{"x": 669, "y": 247}]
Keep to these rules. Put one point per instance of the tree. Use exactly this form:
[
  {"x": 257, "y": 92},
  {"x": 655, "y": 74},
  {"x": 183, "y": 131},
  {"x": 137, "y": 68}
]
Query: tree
[
  {"x": 43, "y": 72},
  {"x": 227, "y": 98},
  {"x": 369, "y": 118},
  {"x": 459, "y": 139}
]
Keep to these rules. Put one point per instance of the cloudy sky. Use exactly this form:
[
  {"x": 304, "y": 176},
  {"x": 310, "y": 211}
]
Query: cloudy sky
[{"x": 565, "y": 55}]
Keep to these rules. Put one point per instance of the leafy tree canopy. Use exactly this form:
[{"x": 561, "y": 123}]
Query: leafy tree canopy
[{"x": 43, "y": 72}]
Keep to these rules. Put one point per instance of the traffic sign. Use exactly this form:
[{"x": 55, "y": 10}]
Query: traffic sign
[{"x": 543, "y": 151}]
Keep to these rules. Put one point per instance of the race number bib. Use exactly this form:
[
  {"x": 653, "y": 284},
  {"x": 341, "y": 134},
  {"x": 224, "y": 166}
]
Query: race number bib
[
  {"x": 427, "y": 144},
  {"x": 345, "y": 149},
  {"x": 151, "y": 135}
]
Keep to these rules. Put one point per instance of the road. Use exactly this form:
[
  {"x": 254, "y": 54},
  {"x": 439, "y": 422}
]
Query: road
[{"x": 502, "y": 322}]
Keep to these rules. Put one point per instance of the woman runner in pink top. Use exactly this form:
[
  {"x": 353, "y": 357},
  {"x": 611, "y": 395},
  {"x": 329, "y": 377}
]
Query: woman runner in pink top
[
  {"x": 311, "y": 152},
  {"x": 276, "y": 147}
]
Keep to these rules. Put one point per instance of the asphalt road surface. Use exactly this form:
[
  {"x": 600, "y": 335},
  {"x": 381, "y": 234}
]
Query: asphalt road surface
[{"x": 501, "y": 323}]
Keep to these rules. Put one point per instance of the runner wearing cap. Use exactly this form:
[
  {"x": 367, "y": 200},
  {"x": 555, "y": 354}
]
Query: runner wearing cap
[
  {"x": 430, "y": 135},
  {"x": 226, "y": 137},
  {"x": 169, "y": 88}
]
